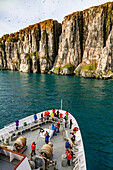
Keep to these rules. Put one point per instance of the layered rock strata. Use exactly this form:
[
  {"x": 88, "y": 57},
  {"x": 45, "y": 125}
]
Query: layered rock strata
[
  {"x": 83, "y": 45},
  {"x": 87, "y": 39},
  {"x": 32, "y": 49}
]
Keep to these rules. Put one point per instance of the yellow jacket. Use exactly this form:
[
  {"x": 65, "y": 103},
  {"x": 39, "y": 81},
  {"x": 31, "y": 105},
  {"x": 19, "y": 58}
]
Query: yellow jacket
[{"x": 52, "y": 114}]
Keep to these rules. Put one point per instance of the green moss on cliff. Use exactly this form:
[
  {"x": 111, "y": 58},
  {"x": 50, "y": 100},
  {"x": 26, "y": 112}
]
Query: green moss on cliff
[
  {"x": 67, "y": 66},
  {"x": 89, "y": 67},
  {"x": 86, "y": 68},
  {"x": 109, "y": 73},
  {"x": 13, "y": 37},
  {"x": 33, "y": 54},
  {"x": 70, "y": 68},
  {"x": 57, "y": 68}
]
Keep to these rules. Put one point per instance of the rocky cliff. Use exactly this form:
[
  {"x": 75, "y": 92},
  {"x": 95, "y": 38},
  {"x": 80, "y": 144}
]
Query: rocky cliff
[
  {"x": 32, "y": 49},
  {"x": 83, "y": 45}
]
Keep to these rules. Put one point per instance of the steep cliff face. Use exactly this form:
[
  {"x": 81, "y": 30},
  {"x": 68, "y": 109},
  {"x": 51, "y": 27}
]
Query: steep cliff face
[
  {"x": 83, "y": 45},
  {"x": 32, "y": 49},
  {"x": 87, "y": 37}
]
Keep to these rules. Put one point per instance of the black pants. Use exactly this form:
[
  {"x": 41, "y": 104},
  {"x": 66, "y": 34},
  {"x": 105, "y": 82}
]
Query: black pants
[
  {"x": 33, "y": 153},
  {"x": 46, "y": 141},
  {"x": 68, "y": 162},
  {"x": 70, "y": 126}
]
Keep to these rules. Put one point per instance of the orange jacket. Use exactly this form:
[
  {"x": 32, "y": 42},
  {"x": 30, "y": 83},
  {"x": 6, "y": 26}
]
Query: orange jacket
[
  {"x": 47, "y": 113},
  {"x": 33, "y": 146}
]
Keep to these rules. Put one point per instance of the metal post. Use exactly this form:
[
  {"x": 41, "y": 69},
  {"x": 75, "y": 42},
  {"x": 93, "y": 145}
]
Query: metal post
[{"x": 61, "y": 104}]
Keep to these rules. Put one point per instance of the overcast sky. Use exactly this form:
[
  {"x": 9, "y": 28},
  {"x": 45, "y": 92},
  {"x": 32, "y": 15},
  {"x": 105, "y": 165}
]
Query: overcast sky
[{"x": 18, "y": 14}]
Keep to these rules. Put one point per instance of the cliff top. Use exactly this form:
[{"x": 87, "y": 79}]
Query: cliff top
[
  {"x": 108, "y": 4},
  {"x": 47, "y": 24}
]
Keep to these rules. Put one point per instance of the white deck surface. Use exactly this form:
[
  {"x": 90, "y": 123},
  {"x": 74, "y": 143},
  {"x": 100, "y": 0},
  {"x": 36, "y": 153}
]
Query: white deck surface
[
  {"x": 58, "y": 144},
  {"x": 58, "y": 141}
]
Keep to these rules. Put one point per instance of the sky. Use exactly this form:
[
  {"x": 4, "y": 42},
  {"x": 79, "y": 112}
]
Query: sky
[{"x": 18, "y": 14}]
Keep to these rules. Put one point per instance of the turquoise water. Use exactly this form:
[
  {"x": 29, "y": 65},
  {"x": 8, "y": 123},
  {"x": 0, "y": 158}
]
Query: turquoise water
[{"x": 89, "y": 100}]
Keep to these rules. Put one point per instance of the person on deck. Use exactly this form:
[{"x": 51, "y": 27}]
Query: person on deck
[
  {"x": 73, "y": 138},
  {"x": 47, "y": 138},
  {"x": 48, "y": 113},
  {"x": 41, "y": 117},
  {"x": 53, "y": 111},
  {"x": 68, "y": 157},
  {"x": 55, "y": 117},
  {"x": 57, "y": 113},
  {"x": 52, "y": 114},
  {"x": 66, "y": 114},
  {"x": 55, "y": 133},
  {"x": 33, "y": 148},
  {"x": 35, "y": 117},
  {"x": 67, "y": 145},
  {"x": 65, "y": 121},
  {"x": 17, "y": 124},
  {"x": 75, "y": 129},
  {"x": 71, "y": 123},
  {"x": 58, "y": 127},
  {"x": 45, "y": 115},
  {"x": 52, "y": 126}
]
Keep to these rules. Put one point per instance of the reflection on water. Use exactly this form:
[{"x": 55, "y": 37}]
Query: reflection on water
[{"x": 89, "y": 100}]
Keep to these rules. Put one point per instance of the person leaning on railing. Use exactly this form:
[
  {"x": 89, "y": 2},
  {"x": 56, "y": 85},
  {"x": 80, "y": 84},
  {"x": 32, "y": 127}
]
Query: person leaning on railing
[
  {"x": 35, "y": 118},
  {"x": 17, "y": 124}
]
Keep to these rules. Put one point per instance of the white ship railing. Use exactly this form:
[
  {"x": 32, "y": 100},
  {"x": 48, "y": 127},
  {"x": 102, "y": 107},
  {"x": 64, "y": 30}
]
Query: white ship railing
[
  {"x": 79, "y": 161},
  {"x": 23, "y": 161}
]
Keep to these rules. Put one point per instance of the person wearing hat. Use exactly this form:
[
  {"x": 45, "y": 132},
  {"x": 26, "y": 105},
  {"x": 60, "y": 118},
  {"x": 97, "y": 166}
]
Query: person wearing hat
[
  {"x": 33, "y": 148},
  {"x": 47, "y": 138}
]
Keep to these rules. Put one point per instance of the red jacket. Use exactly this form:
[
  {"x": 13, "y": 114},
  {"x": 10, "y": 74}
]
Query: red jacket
[
  {"x": 66, "y": 113},
  {"x": 68, "y": 155},
  {"x": 45, "y": 114},
  {"x": 58, "y": 125},
  {"x": 75, "y": 129},
  {"x": 33, "y": 146},
  {"x": 60, "y": 115},
  {"x": 53, "y": 111}
]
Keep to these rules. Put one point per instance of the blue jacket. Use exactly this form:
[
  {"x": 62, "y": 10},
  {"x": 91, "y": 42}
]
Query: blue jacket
[
  {"x": 67, "y": 145},
  {"x": 35, "y": 117},
  {"x": 47, "y": 137},
  {"x": 55, "y": 128},
  {"x": 52, "y": 126}
]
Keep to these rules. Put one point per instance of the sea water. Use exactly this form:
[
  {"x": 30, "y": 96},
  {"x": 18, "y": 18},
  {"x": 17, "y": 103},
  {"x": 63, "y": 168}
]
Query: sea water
[{"x": 90, "y": 101}]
